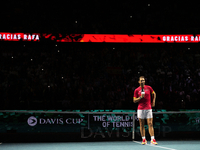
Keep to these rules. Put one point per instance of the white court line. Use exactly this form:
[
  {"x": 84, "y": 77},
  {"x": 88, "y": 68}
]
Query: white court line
[{"x": 155, "y": 145}]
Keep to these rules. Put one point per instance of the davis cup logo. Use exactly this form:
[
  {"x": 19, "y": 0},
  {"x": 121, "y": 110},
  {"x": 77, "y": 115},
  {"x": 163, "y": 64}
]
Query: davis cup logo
[{"x": 32, "y": 121}]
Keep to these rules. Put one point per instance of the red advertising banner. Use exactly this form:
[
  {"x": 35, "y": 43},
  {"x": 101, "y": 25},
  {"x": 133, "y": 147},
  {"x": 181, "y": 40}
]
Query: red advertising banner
[{"x": 109, "y": 38}]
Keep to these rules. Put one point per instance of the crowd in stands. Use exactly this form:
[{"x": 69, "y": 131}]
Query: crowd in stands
[
  {"x": 127, "y": 17},
  {"x": 90, "y": 76},
  {"x": 98, "y": 76}
]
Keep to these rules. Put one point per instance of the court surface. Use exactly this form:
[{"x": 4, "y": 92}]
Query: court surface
[{"x": 117, "y": 145}]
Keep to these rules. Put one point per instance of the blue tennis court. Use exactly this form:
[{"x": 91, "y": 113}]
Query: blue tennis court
[{"x": 117, "y": 145}]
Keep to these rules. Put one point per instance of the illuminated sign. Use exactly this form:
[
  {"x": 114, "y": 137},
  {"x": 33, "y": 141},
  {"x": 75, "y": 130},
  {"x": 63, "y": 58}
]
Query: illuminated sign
[
  {"x": 19, "y": 36},
  {"x": 100, "y": 38}
]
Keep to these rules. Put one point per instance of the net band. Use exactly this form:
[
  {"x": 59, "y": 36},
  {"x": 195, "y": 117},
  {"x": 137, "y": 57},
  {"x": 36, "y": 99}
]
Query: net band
[{"x": 105, "y": 112}]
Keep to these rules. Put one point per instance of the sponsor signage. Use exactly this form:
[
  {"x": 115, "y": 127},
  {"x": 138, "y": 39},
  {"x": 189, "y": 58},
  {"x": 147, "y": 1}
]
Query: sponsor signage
[
  {"x": 32, "y": 121},
  {"x": 87, "y": 126}
]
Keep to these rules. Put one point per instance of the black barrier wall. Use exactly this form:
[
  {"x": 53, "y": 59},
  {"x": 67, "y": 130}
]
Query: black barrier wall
[{"x": 40, "y": 126}]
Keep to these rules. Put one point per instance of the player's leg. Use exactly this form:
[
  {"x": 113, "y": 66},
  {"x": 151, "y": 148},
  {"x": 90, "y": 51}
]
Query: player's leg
[
  {"x": 142, "y": 129},
  {"x": 150, "y": 125},
  {"x": 140, "y": 115}
]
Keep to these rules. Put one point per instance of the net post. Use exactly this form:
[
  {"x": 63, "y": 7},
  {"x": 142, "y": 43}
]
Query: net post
[
  {"x": 133, "y": 132},
  {"x": 88, "y": 121}
]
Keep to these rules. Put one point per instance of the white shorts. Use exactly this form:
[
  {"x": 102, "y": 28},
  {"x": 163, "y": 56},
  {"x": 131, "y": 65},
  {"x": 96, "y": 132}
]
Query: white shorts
[{"x": 143, "y": 114}]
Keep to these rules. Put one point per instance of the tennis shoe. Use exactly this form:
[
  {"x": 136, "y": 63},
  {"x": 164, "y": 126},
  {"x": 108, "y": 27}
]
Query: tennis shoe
[
  {"x": 153, "y": 142},
  {"x": 144, "y": 142}
]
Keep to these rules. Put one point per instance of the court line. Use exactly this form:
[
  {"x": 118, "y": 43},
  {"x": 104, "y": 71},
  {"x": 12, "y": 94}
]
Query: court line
[{"x": 155, "y": 145}]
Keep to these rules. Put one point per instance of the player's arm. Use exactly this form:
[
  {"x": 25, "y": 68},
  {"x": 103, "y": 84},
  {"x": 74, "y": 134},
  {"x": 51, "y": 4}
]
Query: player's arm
[
  {"x": 154, "y": 98},
  {"x": 135, "y": 100}
]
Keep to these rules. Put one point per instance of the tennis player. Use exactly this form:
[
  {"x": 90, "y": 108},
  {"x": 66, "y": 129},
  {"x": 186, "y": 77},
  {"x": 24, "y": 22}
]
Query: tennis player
[{"x": 142, "y": 96}]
